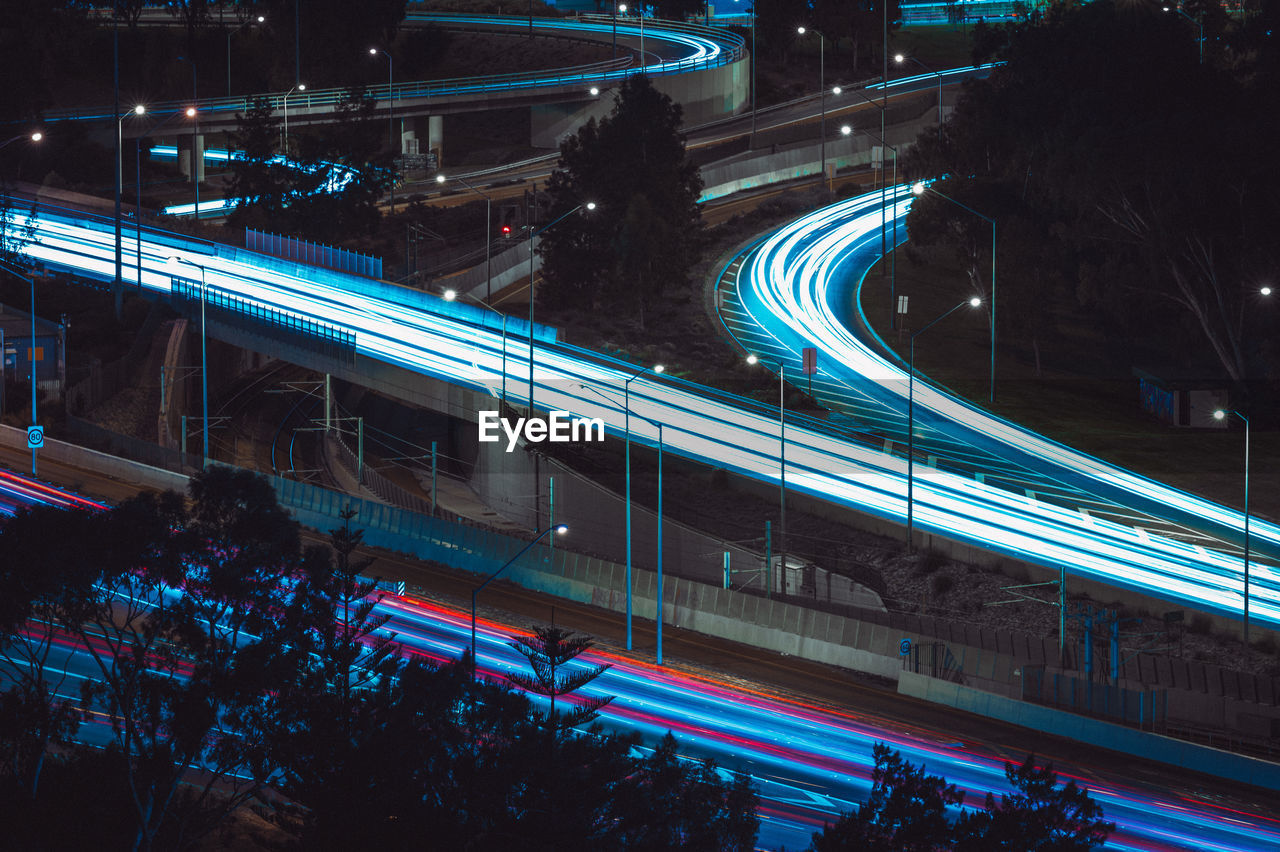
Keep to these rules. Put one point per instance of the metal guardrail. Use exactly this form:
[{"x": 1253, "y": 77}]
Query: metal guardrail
[{"x": 597, "y": 72}]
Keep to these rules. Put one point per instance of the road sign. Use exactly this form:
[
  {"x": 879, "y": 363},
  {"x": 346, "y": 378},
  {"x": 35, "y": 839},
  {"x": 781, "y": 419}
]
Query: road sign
[
  {"x": 35, "y": 437},
  {"x": 904, "y": 647}
]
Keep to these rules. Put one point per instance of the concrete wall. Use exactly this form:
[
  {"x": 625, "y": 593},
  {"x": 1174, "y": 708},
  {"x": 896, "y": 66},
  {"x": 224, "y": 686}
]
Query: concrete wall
[
  {"x": 704, "y": 96},
  {"x": 511, "y": 482},
  {"x": 80, "y": 457},
  {"x": 1179, "y": 753}
]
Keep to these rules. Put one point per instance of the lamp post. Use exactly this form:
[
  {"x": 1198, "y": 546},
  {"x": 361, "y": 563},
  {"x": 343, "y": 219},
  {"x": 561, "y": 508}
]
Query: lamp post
[
  {"x": 32, "y": 282},
  {"x": 488, "y": 232},
  {"x": 258, "y": 20},
  {"x": 197, "y": 157},
  {"x": 31, "y": 137},
  {"x": 559, "y": 529},
  {"x": 900, "y": 58},
  {"x": 919, "y": 188},
  {"x": 782, "y": 466},
  {"x": 1200, "y": 24},
  {"x": 589, "y": 205},
  {"x": 174, "y": 262},
  {"x": 452, "y": 295},
  {"x": 1221, "y": 414},
  {"x": 284, "y": 136},
  {"x": 891, "y": 250},
  {"x": 615, "y": 30},
  {"x": 822, "y": 94},
  {"x": 189, "y": 112},
  {"x": 884, "y": 208},
  {"x": 626, "y": 405},
  {"x": 640, "y": 14},
  {"x": 391, "y": 109},
  {"x": 911, "y": 414},
  {"x": 138, "y": 110},
  {"x": 391, "y": 96}
]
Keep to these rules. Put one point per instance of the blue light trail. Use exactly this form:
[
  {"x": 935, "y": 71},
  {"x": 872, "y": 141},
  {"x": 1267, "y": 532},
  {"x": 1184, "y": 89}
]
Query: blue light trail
[{"x": 421, "y": 333}]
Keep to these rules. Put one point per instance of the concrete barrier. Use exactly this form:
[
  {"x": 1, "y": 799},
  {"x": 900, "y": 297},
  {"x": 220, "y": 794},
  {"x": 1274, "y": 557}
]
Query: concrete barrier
[
  {"x": 1145, "y": 744},
  {"x": 80, "y": 457}
]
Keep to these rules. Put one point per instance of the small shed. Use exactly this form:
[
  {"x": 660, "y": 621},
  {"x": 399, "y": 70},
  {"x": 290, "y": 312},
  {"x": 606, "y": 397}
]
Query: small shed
[
  {"x": 47, "y": 352},
  {"x": 1187, "y": 401}
]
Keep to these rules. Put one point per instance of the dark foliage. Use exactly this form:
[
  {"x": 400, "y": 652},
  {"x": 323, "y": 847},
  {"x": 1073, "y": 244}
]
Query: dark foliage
[
  {"x": 908, "y": 812},
  {"x": 644, "y": 232}
]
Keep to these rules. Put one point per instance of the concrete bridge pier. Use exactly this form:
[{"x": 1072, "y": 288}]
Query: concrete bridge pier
[{"x": 186, "y": 142}]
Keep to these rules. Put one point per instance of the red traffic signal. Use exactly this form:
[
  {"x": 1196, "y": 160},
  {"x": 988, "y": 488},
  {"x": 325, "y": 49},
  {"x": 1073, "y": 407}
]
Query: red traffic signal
[{"x": 506, "y": 230}]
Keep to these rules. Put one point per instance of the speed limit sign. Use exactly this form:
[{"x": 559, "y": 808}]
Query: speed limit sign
[{"x": 35, "y": 437}]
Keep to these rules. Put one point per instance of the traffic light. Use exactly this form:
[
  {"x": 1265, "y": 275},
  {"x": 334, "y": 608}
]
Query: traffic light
[{"x": 506, "y": 231}]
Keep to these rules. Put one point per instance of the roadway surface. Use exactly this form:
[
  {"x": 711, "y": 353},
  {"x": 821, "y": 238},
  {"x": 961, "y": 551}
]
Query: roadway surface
[{"x": 803, "y": 732}]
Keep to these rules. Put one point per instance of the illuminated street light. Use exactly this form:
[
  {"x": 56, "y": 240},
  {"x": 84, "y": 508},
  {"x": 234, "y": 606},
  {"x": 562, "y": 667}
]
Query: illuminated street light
[
  {"x": 138, "y": 110},
  {"x": 284, "y": 136},
  {"x": 590, "y": 205},
  {"x": 911, "y": 414},
  {"x": 919, "y": 188},
  {"x": 488, "y": 231},
  {"x": 1198, "y": 23},
  {"x": 559, "y": 529},
  {"x": 900, "y": 58},
  {"x": 1221, "y": 414},
  {"x": 258, "y": 20},
  {"x": 174, "y": 263},
  {"x": 822, "y": 94},
  {"x": 754, "y": 359}
]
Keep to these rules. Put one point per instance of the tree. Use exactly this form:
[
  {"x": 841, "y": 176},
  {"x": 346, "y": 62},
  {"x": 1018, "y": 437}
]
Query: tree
[
  {"x": 548, "y": 650},
  {"x": 1100, "y": 165},
  {"x": 632, "y": 165},
  {"x": 190, "y": 643},
  {"x": 259, "y": 183},
  {"x": 1038, "y": 816},
  {"x": 906, "y": 812}
]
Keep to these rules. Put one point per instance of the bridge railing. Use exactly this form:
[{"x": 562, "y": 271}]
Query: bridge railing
[{"x": 595, "y": 72}]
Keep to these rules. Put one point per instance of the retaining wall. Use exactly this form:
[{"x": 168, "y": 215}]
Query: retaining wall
[{"x": 1179, "y": 753}]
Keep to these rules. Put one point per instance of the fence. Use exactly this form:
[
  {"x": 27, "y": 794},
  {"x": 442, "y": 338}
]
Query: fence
[
  {"x": 286, "y": 328},
  {"x": 293, "y": 248},
  {"x": 1143, "y": 708}
]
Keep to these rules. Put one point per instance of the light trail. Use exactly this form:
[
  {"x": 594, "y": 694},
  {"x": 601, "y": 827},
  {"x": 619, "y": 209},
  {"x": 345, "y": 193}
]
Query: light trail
[
  {"x": 463, "y": 345},
  {"x": 809, "y": 762}
]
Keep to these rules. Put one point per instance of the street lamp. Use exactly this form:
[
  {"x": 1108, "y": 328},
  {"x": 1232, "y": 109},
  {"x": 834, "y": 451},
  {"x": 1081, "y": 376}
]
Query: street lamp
[
  {"x": 391, "y": 109},
  {"x": 488, "y": 232},
  {"x": 174, "y": 262},
  {"x": 911, "y": 421},
  {"x": 391, "y": 98},
  {"x": 900, "y": 58},
  {"x": 30, "y": 137},
  {"x": 258, "y": 20},
  {"x": 138, "y": 110},
  {"x": 822, "y": 94},
  {"x": 32, "y": 282},
  {"x": 782, "y": 466},
  {"x": 1198, "y": 23},
  {"x": 884, "y": 207},
  {"x": 919, "y": 188},
  {"x": 189, "y": 112},
  {"x": 590, "y": 205},
  {"x": 197, "y": 157},
  {"x": 559, "y": 529},
  {"x": 284, "y": 136},
  {"x": 640, "y": 14},
  {"x": 626, "y": 405},
  {"x": 1221, "y": 414},
  {"x": 451, "y": 295}
]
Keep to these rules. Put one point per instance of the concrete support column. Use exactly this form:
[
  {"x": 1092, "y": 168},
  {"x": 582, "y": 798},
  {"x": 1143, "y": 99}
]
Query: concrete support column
[
  {"x": 184, "y": 155},
  {"x": 435, "y": 139}
]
